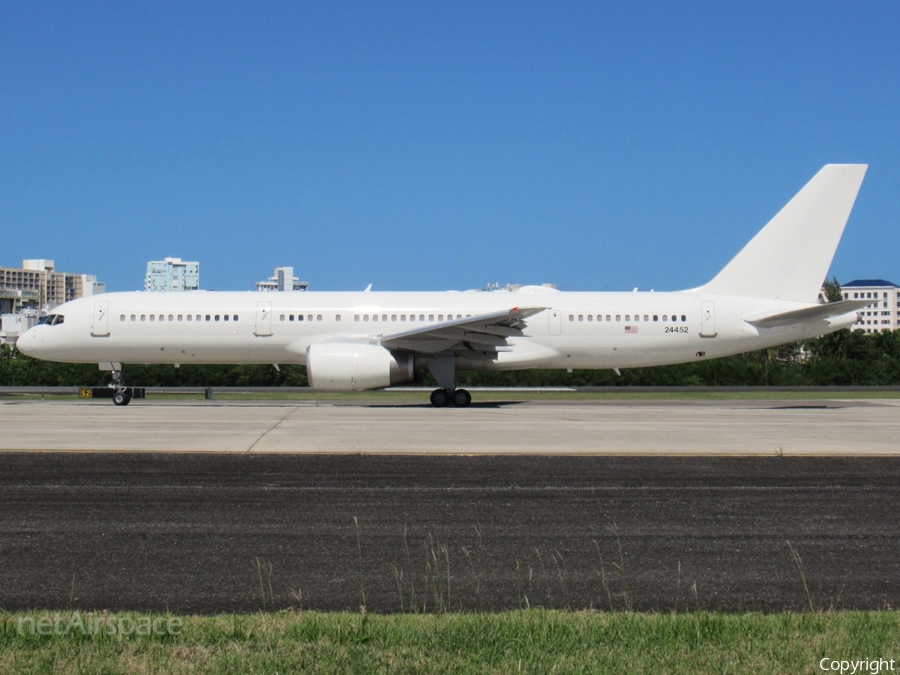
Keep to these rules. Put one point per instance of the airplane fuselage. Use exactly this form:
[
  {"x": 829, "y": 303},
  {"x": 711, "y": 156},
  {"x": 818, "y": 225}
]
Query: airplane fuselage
[{"x": 575, "y": 330}]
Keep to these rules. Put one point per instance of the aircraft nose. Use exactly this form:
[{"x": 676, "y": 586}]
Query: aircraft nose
[{"x": 28, "y": 342}]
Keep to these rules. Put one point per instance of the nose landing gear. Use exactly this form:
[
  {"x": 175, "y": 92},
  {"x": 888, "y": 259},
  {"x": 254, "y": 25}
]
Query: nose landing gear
[
  {"x": 122, "y": 397},
  {"x": 116, "y": 390}
]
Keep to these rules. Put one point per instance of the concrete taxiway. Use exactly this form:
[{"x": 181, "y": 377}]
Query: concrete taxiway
[{"x": 708, "y": 427}]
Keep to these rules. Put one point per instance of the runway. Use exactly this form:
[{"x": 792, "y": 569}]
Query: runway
[
  {"x": 831, "y": 427},
  {"x": 215, "y": 506},
  {"x": 236, "y": 532}
]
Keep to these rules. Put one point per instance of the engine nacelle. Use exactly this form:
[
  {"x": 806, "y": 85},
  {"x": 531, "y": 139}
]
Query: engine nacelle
[{"x": 346, "y": 366}]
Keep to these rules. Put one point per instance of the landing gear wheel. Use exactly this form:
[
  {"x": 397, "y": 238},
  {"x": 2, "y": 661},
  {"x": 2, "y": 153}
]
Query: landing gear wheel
[
  {"x": 461, "y": 398},
  {"x": 440, "y": 398},
  {"x": 121, "y": 398}
]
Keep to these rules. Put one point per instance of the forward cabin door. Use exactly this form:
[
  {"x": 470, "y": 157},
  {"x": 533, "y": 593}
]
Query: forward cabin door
[
  {"x": 263, "y": 319},
  {"x": 708, "y": 319},
  {"x": 100, "y": 326}
]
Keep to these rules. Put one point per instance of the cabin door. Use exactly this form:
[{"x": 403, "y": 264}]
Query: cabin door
[
  {"x": 708, "y": 319},
  {"x": 100, "y": 326},
  {"x": 263, "y": 319},
  {"x": 555, "y": 322}
]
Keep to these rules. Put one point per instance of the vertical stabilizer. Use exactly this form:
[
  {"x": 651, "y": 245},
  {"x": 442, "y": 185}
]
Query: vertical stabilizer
[{"x": 789, "y": 258}]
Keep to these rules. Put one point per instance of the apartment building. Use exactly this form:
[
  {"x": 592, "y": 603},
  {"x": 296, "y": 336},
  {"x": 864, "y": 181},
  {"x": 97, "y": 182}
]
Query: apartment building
[{"x": 172, "y": 274}]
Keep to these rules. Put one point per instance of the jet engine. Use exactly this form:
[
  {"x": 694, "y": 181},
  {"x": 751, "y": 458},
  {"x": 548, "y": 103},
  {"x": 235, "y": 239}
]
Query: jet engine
[{"x": 347, "y": 366}]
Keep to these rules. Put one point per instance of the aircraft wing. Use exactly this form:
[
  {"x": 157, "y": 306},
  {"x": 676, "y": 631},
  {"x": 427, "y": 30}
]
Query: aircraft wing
[
  {"x": 829, "y": 310},
  {"x": 483, "y": 334}
]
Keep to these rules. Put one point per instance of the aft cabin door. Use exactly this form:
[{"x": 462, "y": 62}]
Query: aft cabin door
[
  {"x": 708, "y": 320},
  {"x": 100, "y": 326},
  {"x": 263, "y": 319}
]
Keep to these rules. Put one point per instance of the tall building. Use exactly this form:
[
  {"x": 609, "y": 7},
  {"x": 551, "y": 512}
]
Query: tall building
[
  {"x": 884, "y": 312},
  {"x": 37, "y": 285},
  {"x": 284, "y": 280},
  {"x": 172, "y": 274}
]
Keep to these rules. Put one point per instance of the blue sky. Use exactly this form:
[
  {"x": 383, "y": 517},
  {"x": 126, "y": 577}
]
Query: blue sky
[{"x": 429, "y": 146}]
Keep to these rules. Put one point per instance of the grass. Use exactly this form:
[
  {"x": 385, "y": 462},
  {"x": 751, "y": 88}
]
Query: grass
[
  {"x": 614, "y": 394},
  {"x": 528, "y": 641}
]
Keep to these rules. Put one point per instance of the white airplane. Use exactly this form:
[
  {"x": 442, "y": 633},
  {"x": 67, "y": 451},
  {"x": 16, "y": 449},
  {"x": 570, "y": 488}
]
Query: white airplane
[{"x": 766, "y": 296}]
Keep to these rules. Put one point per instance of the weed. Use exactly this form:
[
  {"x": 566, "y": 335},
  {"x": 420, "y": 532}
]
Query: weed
[
  {"x": 799, "y": 561},
  {"x": 265, "y": 571},
  {"x": 362, "y": 588}
]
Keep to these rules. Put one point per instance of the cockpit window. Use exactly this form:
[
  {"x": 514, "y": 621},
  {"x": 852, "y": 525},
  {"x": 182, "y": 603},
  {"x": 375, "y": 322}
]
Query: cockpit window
[{"x": 52, "y": 320}]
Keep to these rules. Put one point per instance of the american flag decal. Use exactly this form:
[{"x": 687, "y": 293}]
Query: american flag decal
[{"x": 631, "y": 329}]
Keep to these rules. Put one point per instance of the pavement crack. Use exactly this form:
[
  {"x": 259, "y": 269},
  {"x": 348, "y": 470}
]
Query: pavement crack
[{"x": 271, "y": 428}]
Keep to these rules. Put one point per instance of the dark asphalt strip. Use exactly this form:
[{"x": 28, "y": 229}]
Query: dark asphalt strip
[{"x": 213, "y": 533}]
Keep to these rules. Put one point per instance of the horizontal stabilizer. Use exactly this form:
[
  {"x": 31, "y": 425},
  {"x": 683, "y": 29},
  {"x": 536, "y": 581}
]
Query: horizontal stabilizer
[{"x": 827, "y": 311}]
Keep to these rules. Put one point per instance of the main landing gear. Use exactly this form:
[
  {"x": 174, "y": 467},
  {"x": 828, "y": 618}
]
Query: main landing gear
[
  {"x": 441, "y": 398},
  {"x": 443, "y": 368}
]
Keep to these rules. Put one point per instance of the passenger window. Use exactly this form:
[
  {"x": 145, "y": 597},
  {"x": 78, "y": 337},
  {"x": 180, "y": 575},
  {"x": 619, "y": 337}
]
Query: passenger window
[
  {"x": 217, "y": 317},
  {"x": 683, "y": 317},
  {"x": 365, "y": 317},
  {"x": 590, "y": 317},
  {"x": 153, "y": 317},
  {"x": 122, "y": 318},
  {"x": 383, "y": 317},
  {"x": 281, "y": 318},
  {"x": 181, "y": 317},
  {"x": 656, "y": 317},
  {"x": 646, "y": 317},
  {"x": 234, "y": 318},
  {"x": 608, "y": 317},
  {"x": 665, "y": 317},
  {"x": 571, "y": 317},
  {"x": 581, "y": 317},
  {"x": 403, "y": 317},
  {"x": 290, "y": 317},
  {"x": 374, "y": 317},
  {"x": 133, "y": 317},
  {"x": 393, "y": 317},
  {"x": 440, "y": 317},
  {"x": 299, "y": 317},
  {"x": 421, "y": 317},
  {"x": 337, "y": 317},
  {"x": 171, "y": 318},
  {"x": 224, "y": 317},
  {"x": 618, "y": 317},
  {"x": 628, "y": 317},
  {"x": 431, "y": 317},
  {"x": 309, "y": 317},
  {"x": 190, "y": 317},
  {"x": 208, "y": 317},
  {"x": 356, "y": 317}
]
